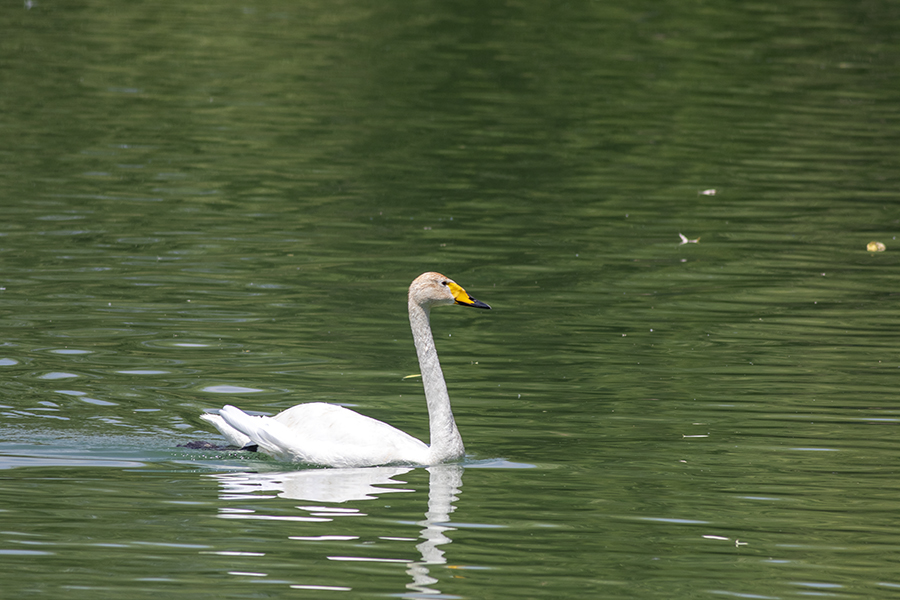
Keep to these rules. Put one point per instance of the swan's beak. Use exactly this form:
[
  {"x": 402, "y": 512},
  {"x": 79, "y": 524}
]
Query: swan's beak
[{"x": 462, "y": 297}]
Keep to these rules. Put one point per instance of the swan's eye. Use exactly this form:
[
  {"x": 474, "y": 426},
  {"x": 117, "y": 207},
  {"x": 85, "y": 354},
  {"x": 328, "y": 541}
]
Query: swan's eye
[{"x": 445, "y": 283}]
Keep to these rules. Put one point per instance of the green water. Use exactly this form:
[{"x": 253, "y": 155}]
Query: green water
[{"x": 225, "y": 203}]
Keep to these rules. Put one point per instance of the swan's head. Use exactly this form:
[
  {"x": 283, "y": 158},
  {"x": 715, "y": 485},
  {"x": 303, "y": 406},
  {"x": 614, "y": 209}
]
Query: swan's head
[{"x": 434, "y": 289}]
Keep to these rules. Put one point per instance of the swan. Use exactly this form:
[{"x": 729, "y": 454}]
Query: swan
[{"x": 329, "y": 435}]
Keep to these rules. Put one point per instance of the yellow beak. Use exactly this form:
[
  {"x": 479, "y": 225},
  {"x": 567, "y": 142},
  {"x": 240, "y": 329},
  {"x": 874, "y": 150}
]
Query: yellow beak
[{"x": 462, "y": 297}]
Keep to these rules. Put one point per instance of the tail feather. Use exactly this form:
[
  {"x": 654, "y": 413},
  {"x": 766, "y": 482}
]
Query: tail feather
[
  {"x": 233, "y": 436},
  {"x": 270, "y": 435}
]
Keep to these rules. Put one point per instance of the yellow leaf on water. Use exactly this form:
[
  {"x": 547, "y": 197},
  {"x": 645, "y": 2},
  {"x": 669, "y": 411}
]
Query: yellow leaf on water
[{"x": 876, "y": 247}]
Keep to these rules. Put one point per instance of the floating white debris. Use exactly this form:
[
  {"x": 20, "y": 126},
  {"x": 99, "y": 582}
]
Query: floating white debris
[
  {"x": 684, "y": 240},
  {"x": 327, "y": 588},
  {"x": 737, "y": 543}
]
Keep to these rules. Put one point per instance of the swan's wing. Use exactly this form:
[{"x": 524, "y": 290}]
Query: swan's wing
[
  {"x": 332, "y": 434},
  {"x": 326, "y": 434},
  {"x": 232, "y": 435}
]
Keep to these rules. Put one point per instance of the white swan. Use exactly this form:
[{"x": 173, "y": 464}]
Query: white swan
[{"x": 330, "y": 435}]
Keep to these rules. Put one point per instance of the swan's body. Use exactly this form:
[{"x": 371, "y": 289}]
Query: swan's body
[{"x": 331, "y": 435}]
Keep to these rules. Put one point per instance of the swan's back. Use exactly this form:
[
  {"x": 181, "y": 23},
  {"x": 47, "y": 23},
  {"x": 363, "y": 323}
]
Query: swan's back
[{"x": 327, "y": 434}]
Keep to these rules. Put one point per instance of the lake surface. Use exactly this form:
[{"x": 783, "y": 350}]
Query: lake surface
[{"x": 211, "y": 204}]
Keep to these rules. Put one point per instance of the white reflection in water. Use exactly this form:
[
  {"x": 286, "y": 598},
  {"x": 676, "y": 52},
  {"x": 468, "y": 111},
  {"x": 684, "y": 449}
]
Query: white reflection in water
[
  {"x": 314, "y": 485},
  {"x": 342, "y": 485},
  {"x": 444, "y": 483}
]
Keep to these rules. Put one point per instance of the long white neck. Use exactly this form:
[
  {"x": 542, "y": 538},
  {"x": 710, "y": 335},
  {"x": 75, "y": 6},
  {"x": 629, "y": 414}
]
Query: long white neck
[{"x": 446, "y": 443}]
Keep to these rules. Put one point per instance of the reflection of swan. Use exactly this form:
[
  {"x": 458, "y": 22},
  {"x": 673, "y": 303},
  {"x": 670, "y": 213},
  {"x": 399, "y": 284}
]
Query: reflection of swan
[
  {"x": 314, "y": 485},
  {"x": 326, "y": 434},
  {"x": 341, "y": 485},
  {"x": 444, "y": 482}
]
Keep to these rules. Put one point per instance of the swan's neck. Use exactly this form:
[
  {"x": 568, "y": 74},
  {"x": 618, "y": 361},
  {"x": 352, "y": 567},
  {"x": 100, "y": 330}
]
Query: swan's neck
[{"x": 446, "y": 443}]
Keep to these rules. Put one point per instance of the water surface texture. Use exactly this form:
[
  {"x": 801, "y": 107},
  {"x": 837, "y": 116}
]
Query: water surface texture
[{"x": 225, "y": 203}]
